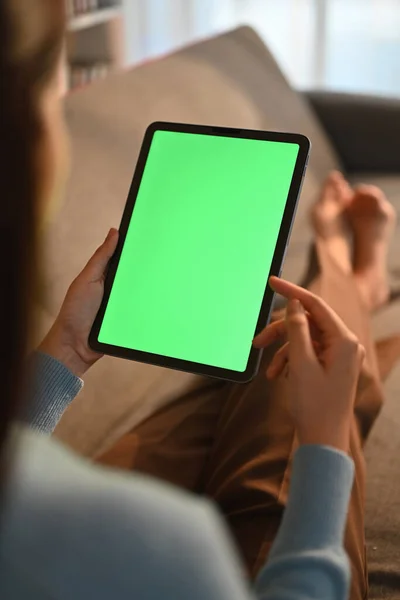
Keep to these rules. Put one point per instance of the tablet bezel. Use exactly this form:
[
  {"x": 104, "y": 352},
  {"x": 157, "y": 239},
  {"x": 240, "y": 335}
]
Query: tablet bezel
[{"x": 277, "y": 261}]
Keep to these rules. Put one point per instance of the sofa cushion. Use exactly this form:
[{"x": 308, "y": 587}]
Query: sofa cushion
[
  {"x": 231, "y": 80},
  {"x": 383, "y": 448}
]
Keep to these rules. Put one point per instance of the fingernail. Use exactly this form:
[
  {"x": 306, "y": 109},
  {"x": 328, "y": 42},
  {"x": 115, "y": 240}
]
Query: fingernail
[{"x": 296, "y": 305}]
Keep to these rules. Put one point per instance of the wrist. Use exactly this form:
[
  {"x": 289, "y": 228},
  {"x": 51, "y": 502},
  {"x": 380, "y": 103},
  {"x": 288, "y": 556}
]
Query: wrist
[
  {"x": 59, "y": 347},
  {"x": 336, "y": 436}
]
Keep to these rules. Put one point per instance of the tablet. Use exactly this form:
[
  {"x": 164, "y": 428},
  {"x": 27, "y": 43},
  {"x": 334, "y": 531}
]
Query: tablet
[{"x": 206, "y": 223}]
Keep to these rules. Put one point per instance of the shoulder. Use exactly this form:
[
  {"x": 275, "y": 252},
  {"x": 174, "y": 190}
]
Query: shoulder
[{"x": 62, "y": 511}]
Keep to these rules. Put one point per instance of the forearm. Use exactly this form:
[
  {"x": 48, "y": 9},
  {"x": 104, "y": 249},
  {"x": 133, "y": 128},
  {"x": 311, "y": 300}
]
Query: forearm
[
  {"x": 308, "y": 560},
  {"x": 50, "y": 390}
]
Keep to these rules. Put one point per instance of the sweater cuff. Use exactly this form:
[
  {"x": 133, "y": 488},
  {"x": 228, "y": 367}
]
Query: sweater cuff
[
  {"x": 51, "y": 389},
  {"x": 316, "y": 513}
]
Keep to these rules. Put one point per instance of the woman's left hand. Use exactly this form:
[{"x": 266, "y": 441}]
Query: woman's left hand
[{"x": 67, "y": 341}]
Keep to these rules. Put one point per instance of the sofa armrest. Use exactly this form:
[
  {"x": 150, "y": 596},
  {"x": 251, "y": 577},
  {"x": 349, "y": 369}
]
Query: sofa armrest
[{"x": 365, "y": 130}]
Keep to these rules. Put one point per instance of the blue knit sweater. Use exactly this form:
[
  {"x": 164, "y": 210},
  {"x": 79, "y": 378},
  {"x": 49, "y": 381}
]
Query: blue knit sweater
[{"x": 73, "y": 531}]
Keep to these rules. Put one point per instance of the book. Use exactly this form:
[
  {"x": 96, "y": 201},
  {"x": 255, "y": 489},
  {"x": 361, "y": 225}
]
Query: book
[
  {"x": 76, "y": 8},
  {"x": 83, "y": 73}
]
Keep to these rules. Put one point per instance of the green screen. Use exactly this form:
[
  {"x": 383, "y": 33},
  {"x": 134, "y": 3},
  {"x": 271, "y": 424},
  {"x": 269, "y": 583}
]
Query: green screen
[{"x": 197, "y": 255}]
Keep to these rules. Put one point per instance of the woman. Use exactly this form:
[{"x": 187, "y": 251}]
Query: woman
[{"x": 72, "y": 530}]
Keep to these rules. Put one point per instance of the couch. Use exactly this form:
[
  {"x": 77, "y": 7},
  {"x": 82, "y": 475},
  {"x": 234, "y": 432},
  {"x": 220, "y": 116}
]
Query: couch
[{"x": 230, "y": 80}]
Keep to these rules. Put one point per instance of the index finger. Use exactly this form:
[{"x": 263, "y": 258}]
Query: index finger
[{"x": 323, "y": 315}]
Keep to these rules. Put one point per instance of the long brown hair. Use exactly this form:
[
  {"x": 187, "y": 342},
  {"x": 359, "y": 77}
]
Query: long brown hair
[{"x": 31, "y": 39}]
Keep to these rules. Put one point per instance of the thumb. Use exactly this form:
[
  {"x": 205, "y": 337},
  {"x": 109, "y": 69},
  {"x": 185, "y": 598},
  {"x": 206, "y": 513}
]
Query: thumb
[
  {"x": 97, "y": 265},
  {"x": 300, "y": 343}
]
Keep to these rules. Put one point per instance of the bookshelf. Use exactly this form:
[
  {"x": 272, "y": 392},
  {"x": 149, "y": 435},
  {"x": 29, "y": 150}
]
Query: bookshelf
[{"x": 95, "y": 41}]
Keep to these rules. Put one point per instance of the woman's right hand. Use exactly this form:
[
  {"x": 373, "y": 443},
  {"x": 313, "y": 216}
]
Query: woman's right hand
[{"x": 323, "y": 358}]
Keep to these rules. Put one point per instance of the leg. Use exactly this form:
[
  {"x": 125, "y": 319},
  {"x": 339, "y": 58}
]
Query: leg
[
  {"x": 174, "y": 443},
  {"x": 388, "y": 352},
  {"x": 249, "y": 469},
  {"x": 235, "y": 442},
  {"x": 372, "y": 219}
]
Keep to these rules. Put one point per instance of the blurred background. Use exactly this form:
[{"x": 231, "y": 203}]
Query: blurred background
[{"x": 349, "y": 45}]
